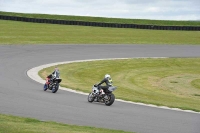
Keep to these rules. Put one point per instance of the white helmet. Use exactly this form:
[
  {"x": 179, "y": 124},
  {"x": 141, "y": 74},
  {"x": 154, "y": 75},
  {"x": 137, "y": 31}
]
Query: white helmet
[{"x": 107, "y": 76}]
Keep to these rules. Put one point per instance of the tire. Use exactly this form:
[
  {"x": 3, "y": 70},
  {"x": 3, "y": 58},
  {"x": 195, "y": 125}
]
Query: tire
[
  {"x": 90, "y": 97},
  {"x": 45, "y": 87},
  {"x": 55, "y": 88},
  {"x": 111, "y": 99}
]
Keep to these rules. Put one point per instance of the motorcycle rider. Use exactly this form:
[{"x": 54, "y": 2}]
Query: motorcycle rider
[
  {"x": 56, "y": 73},
  {"x": 108, "y": 81},
  {"x": 51, "y": 77}
]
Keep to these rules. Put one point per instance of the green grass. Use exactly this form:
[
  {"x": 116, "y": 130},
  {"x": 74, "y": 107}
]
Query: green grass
[
  {"x": 108, "y": 20},
  {"x": 172, "y": 82},
  {"x": 196, "y": 83},
  {"x": 13, "y": 124},
  {"x": 13, "y": 32}
]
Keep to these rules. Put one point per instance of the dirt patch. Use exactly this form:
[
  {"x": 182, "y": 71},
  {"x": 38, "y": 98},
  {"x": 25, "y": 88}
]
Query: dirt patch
[{"x": 178, "y": 84}]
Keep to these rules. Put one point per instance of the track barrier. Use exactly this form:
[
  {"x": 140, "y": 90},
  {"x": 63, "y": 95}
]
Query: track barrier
[{"x": 100, "y": 24}]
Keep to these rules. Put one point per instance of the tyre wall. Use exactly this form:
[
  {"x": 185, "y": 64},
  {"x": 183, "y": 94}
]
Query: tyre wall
[{"x": 99, "y": 24}]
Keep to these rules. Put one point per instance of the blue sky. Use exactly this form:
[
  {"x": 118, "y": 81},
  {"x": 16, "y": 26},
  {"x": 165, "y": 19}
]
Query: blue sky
[{"x": 135, "y": 9}]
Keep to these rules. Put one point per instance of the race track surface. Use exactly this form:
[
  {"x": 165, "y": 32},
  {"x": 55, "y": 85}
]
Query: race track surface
[{"x": 21, "y": 96}]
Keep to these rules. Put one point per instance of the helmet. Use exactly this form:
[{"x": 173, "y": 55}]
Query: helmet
[
  {"x": 56, "y": 68},
  {"x": 107, "y": 76}
]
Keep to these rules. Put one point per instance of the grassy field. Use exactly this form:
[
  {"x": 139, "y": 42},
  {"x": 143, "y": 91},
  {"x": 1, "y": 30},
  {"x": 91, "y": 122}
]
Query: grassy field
[
  {"x": 13, "y": 32},
  {"x": 13, "y": 124},
  {"x": 172, "y": 82},
  {"x": 108, "y": 20}
]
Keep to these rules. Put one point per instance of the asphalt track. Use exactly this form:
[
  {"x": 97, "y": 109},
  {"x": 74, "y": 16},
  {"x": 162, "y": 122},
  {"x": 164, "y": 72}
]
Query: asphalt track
[{"x": 21, "y": 96}]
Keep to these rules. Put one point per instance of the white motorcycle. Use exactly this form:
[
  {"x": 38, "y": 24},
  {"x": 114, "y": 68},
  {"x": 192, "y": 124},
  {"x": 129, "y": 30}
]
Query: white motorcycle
[{"x": 96, "y": 96}]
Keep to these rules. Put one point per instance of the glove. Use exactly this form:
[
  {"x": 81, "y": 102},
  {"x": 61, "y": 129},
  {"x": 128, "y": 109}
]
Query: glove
[{"x": 95, "y": 85}]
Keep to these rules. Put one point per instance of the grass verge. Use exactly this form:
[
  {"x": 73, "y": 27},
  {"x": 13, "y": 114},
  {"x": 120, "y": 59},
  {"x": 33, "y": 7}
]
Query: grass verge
[
  {"x": 171, "y": 82},
  {"x": 13, "y": 124},
  {"x": 13, "y": 32}
]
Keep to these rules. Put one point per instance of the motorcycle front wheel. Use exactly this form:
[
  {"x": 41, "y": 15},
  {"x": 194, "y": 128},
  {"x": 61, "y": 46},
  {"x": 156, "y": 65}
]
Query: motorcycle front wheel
[
  {"x": 90, "y": 97},
  {"x": 45, "y": 87},
  {"x": 55, "y": 88}
]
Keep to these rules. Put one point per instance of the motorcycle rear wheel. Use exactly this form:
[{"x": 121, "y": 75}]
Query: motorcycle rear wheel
[{"x": 111, "y": 99}]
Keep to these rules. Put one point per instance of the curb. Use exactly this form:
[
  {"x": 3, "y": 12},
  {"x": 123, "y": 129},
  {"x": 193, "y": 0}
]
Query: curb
[{"x": 33, "y": 74}]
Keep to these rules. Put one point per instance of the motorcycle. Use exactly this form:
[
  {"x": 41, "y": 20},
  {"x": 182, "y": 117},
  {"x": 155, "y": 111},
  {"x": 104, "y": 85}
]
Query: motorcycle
[
  {"x": 52, "y": 84},
  {"x": 96, "y": 96}
]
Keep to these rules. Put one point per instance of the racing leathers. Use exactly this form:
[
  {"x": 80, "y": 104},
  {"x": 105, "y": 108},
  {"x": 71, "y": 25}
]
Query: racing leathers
[
  {"x": 107, "y": 81},
  {"x": 51, "y": 77},
  {"x": 56, "y": 74}
]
